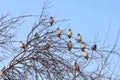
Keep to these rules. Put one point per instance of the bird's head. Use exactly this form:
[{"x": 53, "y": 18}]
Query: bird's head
[
  {"x": 57, "y": 28},
  {"x": 51, "y": 17},
  {"x": 78, "y": 34},
  {"x": 69, "y": 29}
]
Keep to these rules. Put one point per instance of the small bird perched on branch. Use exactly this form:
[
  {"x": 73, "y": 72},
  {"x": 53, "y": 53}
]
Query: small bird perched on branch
[
  {"x": 85, "y": 54},
  {"x": 94, "y": 47},
  {"x": 69, "y": 33},
  {"x": 79, "y": 37},
  {"x": 82, "y": 45},
  {"x": 36, "y": 36},
  {"x": 21, "y": 44},
  {"x": 58, "y": 32},
  {"x": 46, "y": 46},
  {"x": 76, "y": 67},
  {"x": 51, "y": 21},
  {"x": 69, "y": 45}
]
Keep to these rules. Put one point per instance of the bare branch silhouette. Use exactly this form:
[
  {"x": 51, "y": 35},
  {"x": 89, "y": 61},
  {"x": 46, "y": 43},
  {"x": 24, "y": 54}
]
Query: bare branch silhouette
[{"x": 47, "y": 54}]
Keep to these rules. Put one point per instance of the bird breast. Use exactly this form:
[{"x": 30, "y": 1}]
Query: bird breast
[
  {"x": 84, "y": 53},
  {"x": 51, "y": 20},
  {"x": 58, "y": 31},
  {"x": 82, "y": 46},
  {"x": 69, "y": 33},
  {"x": 21, "y": 44},
  {"x": 70, "y": 45},
  {"x": 79, "y": 38}
]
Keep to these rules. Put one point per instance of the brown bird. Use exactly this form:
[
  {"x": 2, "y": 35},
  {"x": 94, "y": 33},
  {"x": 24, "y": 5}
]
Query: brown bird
[
  {"x": 69, "y": 33},
  {"x": 21, "y": 44},
  {"x": 69, "y": 45},
  {"x": 82, "y": 45},
  {"x": 76, "y": 67},
  {"x": 47, "y": 46},
  {"x": 58, "y": 32},
  {"x": 51, "y": 20},
  {"x": 84, "y": 54},
  {"x": 94, "y": 47},
  {"x": 36, "y": 36},
  {"x": 79, "y": 37}
]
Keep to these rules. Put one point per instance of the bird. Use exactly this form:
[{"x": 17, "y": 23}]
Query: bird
[
  {"x": 76, "y": 66},
  {"x": 82, "y": 45},
  {"x": 46, "y": 46},
  {"x": 94, "y": 47},
  {"x": 85, "y": 54},
  {"x": 51, "y": 20},
  {"x": 69, "y": 33},
  {"x": 21, "y": 44},
  {"x": 79, "y": 37},
  {"x": 58, "y": 32},
  {"x": 36, "y": 36},
  {"x": 69, "y": 44}
]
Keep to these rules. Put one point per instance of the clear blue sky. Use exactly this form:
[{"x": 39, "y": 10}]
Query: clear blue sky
[{"x": 86, "y": 16}]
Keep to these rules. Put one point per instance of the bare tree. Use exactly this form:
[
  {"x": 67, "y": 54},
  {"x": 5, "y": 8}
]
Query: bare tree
[{"x": 50, "y": 53}]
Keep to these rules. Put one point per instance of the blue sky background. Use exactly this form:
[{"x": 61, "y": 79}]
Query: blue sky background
[{"x": 88, "y": 17}]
